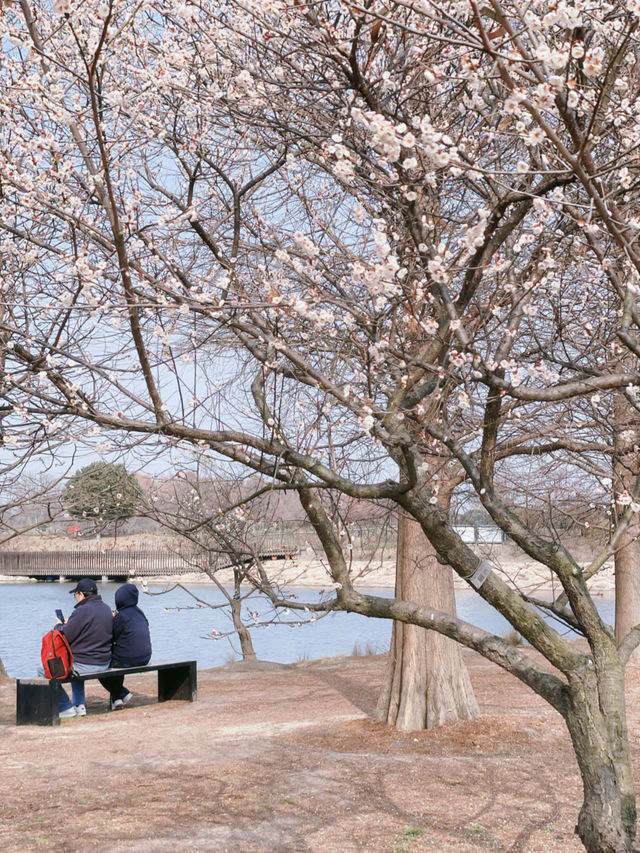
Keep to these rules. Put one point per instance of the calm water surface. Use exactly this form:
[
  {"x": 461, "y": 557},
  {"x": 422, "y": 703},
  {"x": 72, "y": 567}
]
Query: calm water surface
[{"x": 181, "y": 629}]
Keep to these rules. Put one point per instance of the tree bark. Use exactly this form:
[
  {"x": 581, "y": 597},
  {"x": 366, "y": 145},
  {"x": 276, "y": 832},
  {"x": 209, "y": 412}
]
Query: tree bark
[
  {"x": 627, "y": 574},
  {"x": 426, "y": 683},
  {"x": 597, "y": 724},
  {"x": 627, "y": 557},
  {"x": 244, "y": 635}
]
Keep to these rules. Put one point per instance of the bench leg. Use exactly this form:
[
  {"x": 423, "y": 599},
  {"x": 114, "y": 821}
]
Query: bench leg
[
  {"x": 36, "y": 703},
  {"x": 177, "y": 683}
]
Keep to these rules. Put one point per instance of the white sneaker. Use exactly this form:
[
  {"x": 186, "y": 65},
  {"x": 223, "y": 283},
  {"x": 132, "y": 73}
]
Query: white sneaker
[
  {"x": 116, "y": 704},
  {"x": 69, "y": 712},
  {"x": 81, "y": 710},
  {"x": 127, "y": 698}
]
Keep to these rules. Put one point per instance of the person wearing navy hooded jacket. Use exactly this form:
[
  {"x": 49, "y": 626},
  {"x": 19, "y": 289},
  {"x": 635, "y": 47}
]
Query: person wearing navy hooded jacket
[{"x": 131, "y": 643}]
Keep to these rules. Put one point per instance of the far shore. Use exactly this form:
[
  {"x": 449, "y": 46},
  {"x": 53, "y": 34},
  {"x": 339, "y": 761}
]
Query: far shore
[{"x": 524, "y": 575}]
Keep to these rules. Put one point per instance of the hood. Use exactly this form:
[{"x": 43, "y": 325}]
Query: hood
[{"x": 126, "y": 596}]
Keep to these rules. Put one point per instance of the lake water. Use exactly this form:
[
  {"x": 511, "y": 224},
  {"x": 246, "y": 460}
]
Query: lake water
[{"x": 182, "y": 629}]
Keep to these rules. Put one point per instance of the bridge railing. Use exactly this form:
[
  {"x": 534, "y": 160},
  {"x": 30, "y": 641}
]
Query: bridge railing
[{"x": 117, "y": 563}]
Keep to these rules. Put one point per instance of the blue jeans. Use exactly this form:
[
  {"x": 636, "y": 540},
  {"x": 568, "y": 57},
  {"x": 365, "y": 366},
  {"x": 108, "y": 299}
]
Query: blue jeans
[{"x": 77, "y": 687}]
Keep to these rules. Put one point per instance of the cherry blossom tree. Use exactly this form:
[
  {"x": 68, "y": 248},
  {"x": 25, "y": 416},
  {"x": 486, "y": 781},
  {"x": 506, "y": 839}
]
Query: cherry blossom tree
[
  {"x": 209, "y": 509},
  {"x": 372, "y": 248}
]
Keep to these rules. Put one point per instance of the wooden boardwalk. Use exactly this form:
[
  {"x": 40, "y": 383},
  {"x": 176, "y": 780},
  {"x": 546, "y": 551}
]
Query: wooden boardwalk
[{"x": 120, "y": 564}]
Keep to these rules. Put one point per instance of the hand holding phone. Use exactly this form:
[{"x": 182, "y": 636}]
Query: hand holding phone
[{"x": 59, "y": 616}]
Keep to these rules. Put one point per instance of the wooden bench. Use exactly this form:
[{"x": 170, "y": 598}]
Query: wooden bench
[{"x": 37, "y": 698}]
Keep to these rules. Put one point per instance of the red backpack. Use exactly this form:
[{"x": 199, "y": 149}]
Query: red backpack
[{"x": 56, "y": 655}]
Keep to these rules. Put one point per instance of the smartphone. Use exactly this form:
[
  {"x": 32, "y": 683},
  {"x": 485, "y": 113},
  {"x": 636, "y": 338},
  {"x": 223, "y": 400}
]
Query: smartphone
[{"x": 59, "y": 615}]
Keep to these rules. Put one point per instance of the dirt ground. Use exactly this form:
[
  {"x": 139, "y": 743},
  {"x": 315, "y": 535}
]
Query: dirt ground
[{"x": 285, "y": 759}]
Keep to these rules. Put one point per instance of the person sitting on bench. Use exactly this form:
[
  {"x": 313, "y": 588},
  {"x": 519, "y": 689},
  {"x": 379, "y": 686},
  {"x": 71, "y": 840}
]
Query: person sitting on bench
[
  {"x": 131, "y": 643},
  {"x": 89, "y": 633}
]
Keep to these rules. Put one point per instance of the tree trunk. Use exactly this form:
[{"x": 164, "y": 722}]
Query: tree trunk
[
  {"x": 597, "y": 723},
  {"x": 627, "y": 557},
  {"x": 426, "y": 682},
  {"x": 627, "y": 571},
  {"x": 244, "y": 635}
]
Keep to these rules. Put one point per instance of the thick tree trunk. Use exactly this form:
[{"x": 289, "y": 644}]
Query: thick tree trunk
[
  {"x": 627, "y": 569},
  {"x": 627, "y": 557},
  {"x": 426, "y": 682},
  {"x": 597, "y": 723}
]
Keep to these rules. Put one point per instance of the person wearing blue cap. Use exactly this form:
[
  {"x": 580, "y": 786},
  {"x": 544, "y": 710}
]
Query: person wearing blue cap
[{"x": 89, "y": 631}]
